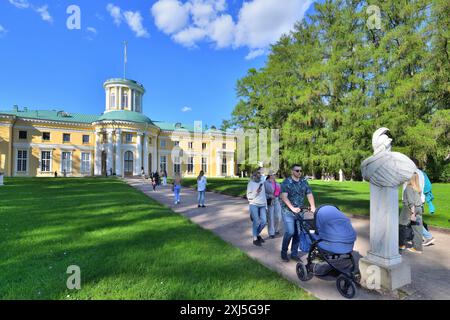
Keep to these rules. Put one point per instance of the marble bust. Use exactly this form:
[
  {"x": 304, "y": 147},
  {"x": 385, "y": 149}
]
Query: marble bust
[{"x": 386, "y": 168}]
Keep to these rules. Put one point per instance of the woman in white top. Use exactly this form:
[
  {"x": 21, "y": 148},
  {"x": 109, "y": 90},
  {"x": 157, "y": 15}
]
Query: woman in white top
[
  {"x": 256, "y": 195},
  {"x": 201, "y": 188}
]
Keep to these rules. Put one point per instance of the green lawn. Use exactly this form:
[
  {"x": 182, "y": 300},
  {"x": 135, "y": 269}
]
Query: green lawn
[
  {"x": 127, "y": 246},
  {"x": 351, "y": 197}
]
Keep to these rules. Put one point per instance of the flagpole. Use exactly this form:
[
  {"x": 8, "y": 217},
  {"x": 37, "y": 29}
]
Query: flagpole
[{"x": 125, "y": 43}]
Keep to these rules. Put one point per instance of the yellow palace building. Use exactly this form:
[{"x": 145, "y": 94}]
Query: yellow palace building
[{"x": 122, "y": 141}]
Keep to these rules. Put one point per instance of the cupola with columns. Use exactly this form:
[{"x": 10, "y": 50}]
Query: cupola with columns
[{"x": 123, "y": 94}]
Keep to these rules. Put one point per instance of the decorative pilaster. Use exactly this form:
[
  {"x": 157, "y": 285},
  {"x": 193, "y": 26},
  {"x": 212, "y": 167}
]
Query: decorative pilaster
[
  {"x": 138, "y": 153},
  {"x": 98, "y": 153},
  {"x": 155, "y": 156},
  {"x": 110, "y": 151},
  {"x": 119, "y": 152},
  {"x": 145, "y": 155}
]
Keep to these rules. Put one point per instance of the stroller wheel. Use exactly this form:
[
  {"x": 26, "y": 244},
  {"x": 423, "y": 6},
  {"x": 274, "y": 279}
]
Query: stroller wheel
[
  {"x": 302, "y": 272},
  {"x": 346, "y": 287}
]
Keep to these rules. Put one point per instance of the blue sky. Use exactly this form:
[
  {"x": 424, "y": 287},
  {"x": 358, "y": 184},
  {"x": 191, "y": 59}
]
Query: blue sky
[{"x": 187, "y": 53}]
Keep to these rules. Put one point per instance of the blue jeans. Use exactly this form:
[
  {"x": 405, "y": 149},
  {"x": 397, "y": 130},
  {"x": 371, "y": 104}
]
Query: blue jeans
[
  {"x": 292, "y": 230},
  {"x": 201, "y": 198},
  {"x": 274, "y": 216},
  {"x": 426, "y": 234},
  {"x": 176, "y": 191},
  {"x": 258, "y": 215}
]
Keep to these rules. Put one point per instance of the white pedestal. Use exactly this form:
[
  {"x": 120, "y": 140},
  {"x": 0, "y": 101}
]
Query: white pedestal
[{"x": 384, "y": 251}]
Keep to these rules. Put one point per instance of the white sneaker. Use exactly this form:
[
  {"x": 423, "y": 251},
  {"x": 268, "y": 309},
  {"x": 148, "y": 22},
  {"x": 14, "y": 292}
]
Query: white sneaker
[{"x": 428, "y": 242}]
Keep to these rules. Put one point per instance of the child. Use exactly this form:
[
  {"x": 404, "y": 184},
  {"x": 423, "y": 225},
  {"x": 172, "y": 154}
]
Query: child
[
  {"x": 176, "y": 188},
  {"x": 201, "y": 188}
]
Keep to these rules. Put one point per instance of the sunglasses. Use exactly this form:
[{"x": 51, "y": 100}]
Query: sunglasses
[{"x": 298, "y": 170}]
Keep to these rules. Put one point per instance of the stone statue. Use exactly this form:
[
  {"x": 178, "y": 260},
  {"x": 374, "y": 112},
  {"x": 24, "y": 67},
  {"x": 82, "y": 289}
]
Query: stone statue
[
  {"x": 386, "y": 168},
  {"x": 386, "y": 171}
]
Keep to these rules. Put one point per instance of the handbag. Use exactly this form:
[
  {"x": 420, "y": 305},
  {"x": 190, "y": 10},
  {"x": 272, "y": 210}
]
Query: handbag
[{"x": 269, "y": 202}]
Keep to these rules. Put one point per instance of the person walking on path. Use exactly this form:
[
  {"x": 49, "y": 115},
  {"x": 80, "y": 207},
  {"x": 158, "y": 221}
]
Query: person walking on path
[
  {"x": 176, "y": 188},
  {"x": 273, "y": 191},
  {"x": 154, "y": 183},
  {"x": 425, "y": 196},
  {"x": 256, "y": 196},
  {"x": 164, "y": 178},
  {"x": 412, "y": 214},
  {"x": 201, "y": 188},
  {"x": 294, "y": 189}
]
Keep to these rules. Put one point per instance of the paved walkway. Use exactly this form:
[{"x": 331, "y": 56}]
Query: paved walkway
[{"x": 228, "y": 217}]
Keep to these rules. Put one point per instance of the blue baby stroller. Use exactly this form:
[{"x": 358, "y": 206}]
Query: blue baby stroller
[{"x": 328, "y": 237}]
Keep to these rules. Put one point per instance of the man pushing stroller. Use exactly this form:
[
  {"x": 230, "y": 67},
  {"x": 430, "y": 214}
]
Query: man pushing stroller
[{"x": 293, "y": 192}]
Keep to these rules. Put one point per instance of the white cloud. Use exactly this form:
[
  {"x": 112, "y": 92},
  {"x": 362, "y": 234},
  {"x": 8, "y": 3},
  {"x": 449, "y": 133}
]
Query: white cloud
[
  {"x": 222, "y": 31},
  {"x": 190, "y": 36},
  {"x": 45, "y": 15},
  {"x": 186, "y": 109},
  {"x": 92, "y": 30},
  {"x": 255, "y": 53},
  {"x": 115, "y": 12},
  {"x": 262, "y": 22},
  {"x": 42, "y": 10},
  {"x": 21, "y": 4},
  {"x": 170, "y": 15},
  {"x": 3, "y": 31},
  {"x": 259, "y": 23},
  {"x": 134, "y": 21}
]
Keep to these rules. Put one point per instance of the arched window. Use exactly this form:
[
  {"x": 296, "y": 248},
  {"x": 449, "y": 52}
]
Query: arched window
[
  {"x": 112, "y": 100},
  {"x": 125, "y": 99}
]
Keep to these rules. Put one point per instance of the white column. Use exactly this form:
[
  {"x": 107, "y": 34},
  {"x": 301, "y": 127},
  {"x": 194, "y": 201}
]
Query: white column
[
  {"x": 138, "y": 153},
  {"x": 109, "y": 151},
  {"x": 129, "y": 98},
  {"x": 117, "y": 102},
  {"x": 155, "y": 156},
  {"x": 107, "y": 99},
  {"x": 120, "y": 106},
  {"x": 119, "y": 152},
  {"x": 98, "y": 153},
  {"x": 145, "y": 155},
  {"x": 231, "y": 166},
  {"x": 218, "y": 173}
]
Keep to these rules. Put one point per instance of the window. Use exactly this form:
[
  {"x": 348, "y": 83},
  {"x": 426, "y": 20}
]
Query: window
[
  {"x": 203, "y": 146},
  {"x": 138, "y": 102},
  {"x": 224, "y": 166},
  {"x": 104, "y": 138},
  {"x": 128, "y": 165},
  {"x": 66, "y": 162},
  {"x": 85, "y": 162},
  {"x": 22, "y": 156},
  {"x": 163, "y": 143},
  {"x": 224, "y": 146},
  {"x": 66, "y": 137},
  {"x": 125, "y": 99},
  {"x": 46, "y": 159},
  {"x": 128, "y": 137},
  {"x": 163, "y": 163},
  {"x": 45, "y": 136},
  {"x": 190, "y": 165},
  {"x": 149, "y": 140},
  {"x": 204, "y": 165},
  {"x": 85, "y": 138},
  {"x": 191, "y": 145},
  {"x": 112, "y": 101},
  {"x": 176, "y": 143},
  {"x": 176, "y": 165},
  {"x": 22, "y": 134}
]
